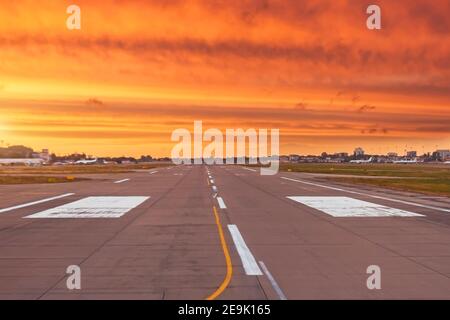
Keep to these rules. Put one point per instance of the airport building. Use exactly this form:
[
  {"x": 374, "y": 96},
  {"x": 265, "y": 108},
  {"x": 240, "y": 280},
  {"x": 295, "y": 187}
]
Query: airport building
[
  {"x": 359, "y": 152},
  {"x": 411, "y": 154},
  {"x": 443, "y": 154}
]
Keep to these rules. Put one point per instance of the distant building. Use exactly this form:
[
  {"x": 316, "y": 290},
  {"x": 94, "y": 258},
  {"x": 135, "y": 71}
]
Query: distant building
[
  {"x": 27, "y": 162},
  {"x": 359, "y": 152},
  {"x": 392, "y": 155},
  {"x": 43, "y": 155},
  {"x": 340, "y": 155},
  {"x": 146, "y": 158},
  {"x": 411, "y": 154},
  {"x": 284, "y": 159},
  {"x": 294, "y": 157},
  {"x": 443, "y": 154}
]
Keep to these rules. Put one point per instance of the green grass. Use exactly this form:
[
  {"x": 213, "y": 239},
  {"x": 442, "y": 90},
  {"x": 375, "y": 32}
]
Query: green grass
[
  {"x": 385, "y": 170},
  {"x": 433, "y": 179},
  {"x": 36, "y": 179},
  {"x": 422, "y": 185},
  {"x": 79, "y": 169}
]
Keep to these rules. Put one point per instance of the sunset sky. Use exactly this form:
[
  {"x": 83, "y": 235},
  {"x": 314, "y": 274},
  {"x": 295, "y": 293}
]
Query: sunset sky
[{"x": 137, "y": 70}]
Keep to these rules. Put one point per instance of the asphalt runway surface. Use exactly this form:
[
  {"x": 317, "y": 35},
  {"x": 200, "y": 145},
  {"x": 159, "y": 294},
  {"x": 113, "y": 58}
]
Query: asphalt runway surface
[{"x": 221, "y": 232}]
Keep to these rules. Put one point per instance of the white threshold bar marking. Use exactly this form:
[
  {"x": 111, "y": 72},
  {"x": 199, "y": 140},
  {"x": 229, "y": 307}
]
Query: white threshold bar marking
[
  {"x": 35, "y": 202},
  {"x": 248, "y": 261},
  {"x": 274, "y": 284},
  {"x": 221, "y": 203},
  {"x": 369, "y": 195},
  {"x": 93, "y": 207},
  {"x": 349, "y": 207},
  {"x": 121, "y": 181}
]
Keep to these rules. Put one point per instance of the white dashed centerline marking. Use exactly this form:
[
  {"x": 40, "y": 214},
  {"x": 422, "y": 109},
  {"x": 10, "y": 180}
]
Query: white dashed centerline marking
[
  {"x": 369, "y": 195},
  {"x": 248, "y": 261},
  {"x": 221, "y": 203},
  {"x": 121, "y": 181},
  {"x": 214, "y": 188},
  {"x": 35, "y": 202},
  {"x": 272, "y": 281},
  {"x": 211, "y": 181}
]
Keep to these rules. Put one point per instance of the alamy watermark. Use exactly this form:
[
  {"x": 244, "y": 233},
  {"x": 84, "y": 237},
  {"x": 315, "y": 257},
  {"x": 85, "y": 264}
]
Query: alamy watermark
[
  {"x": 190, "y": 148},
  {"x": 73, "y": 281},
  {"x": 374, "y": 280},
  {"x": 373, "y": 22}
]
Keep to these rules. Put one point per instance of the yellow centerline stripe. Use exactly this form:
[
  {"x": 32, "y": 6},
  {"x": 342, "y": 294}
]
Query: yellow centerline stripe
[{"x": 226, "y": 253}]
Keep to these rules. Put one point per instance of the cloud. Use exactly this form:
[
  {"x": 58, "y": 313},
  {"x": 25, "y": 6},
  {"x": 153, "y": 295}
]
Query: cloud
[
  {"x": 355, "y": 98},
  {"x": 94, "y": 102},
  {"x": 375, "y": 131},
  {"x": 366, "y": 107},
  {"x": 301, "y": 106}
]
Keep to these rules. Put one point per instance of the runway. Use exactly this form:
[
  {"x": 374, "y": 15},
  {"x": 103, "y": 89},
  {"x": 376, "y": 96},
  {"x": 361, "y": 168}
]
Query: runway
[{"x": 221, "y": 232}]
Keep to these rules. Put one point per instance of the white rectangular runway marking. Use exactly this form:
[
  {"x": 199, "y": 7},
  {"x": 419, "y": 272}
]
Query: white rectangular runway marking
[
  {"x": 368, "y": 195},
  {"x": 121, "y": 181},
  {"x": 249, "y": 169},
  {"x": 349, "y": 207},
  {"x": 248, "y": 261},
  {"x": 221, "y": 203},
  {"x": 214, "y": 188},
  {"x": 93, "y": 207},
  {"x": 153, "y": 172},
  {"x": 35, "y": 202}
]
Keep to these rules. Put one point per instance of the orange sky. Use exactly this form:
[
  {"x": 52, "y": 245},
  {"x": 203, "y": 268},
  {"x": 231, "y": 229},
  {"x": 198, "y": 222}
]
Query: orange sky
[{"x": 139, "y": 69}]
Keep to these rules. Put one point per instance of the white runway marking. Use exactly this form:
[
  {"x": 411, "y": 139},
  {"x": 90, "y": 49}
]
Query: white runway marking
[
  {"x": 214, "y": 188},
  {"x": 248, "y": 261},
  {"x": 153, "y": 172},
  {"x": 274, "y": 284},
  {"x": 93, "y": 207},
  {"x": 221, "y": 203},
  {"x": 369, "y": 195},
  {"x": 249, "y": 169},
  {"x": 212, "y": 181},
  {"x": 122, "y": 181},
  {"x": 349, "y": 207},
  {"x": 35, "y": 202}
]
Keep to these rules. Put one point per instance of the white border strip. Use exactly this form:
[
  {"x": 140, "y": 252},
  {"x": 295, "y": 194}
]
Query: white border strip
[
  {"x": 274, "y": 284},
  {"x": 121, "y": 181},
  {"x": 248, "y": 261},
  {"x": 369, "y": 195},
  {"x": 221, "y": 203},
  {"x": 35, "y": 202}
]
